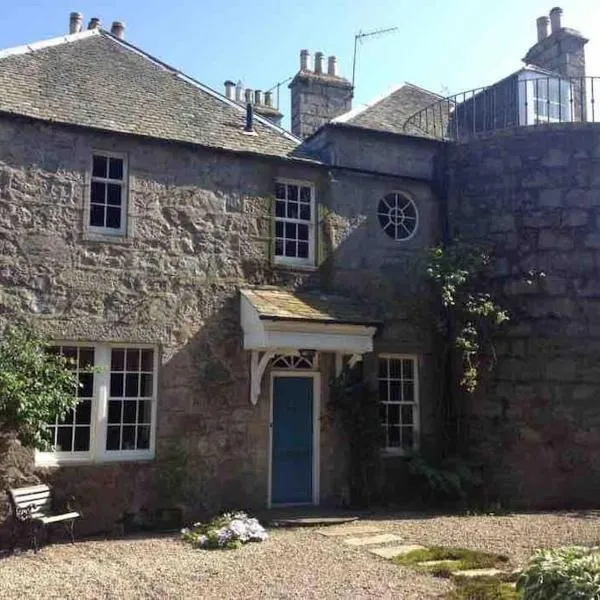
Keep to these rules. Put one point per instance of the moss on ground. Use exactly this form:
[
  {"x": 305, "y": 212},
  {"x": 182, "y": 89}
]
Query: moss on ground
[{"x": 484, "y": 588}]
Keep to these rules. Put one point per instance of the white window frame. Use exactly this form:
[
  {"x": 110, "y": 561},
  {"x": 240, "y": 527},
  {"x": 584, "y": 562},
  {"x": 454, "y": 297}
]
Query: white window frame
[
  {"x": 294, "y": 260},
  {"x": 99, "y": 420},
  {"x": 398, "y": 450},
  {"x": 110, "y": 231},
  {"x": 528, "y": 101}
]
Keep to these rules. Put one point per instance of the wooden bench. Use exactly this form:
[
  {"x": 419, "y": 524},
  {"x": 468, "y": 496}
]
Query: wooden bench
[{"x": 33, "y": 510}]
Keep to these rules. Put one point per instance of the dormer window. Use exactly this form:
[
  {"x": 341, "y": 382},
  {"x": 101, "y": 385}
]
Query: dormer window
[
  {"x": 545, "y": 99},
  {"x": 294, "y": 223},
  {"x": 108, "y": 194}
]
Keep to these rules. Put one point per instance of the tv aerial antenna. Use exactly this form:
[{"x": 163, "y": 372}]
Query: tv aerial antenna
[
  {"x": 277, "y": 86},
  {"x": 360, "y": 36}
]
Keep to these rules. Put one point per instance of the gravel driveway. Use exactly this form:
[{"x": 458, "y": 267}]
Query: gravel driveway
[{"x": 293, "y": 563}]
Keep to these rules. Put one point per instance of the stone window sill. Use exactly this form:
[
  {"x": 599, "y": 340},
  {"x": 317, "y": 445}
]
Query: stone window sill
[{"x": 88, "y": 236}]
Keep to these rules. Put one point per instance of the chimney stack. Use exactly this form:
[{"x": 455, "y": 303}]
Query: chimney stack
[
  {"x": 94, "y": 23},
  {"x": 258, "y": 97},
  {"x": 556, "y": 18},
  {"x": 118, "y": 29},
  {"x": 75, "y": 22},
  {"x": 304, "y": 60},
  {"x": 542, "y": 28},
  {"x": 319, "y": 63},
  {"x": 229, "y": 87},
  {"x": 332, "y": 66}
]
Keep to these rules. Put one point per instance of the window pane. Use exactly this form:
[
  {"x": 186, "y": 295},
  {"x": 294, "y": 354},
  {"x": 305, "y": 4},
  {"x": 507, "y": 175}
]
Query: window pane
[
  {"x": 132, "y": 382},
  {"x": 395, "y": 369},
  {"x": 303, "y": 249},
  {"x": 133, "y": 359},
  {"x": 113, "y": 217},
  {"x": 407, "y": 415},
  {"x": 290, "y": 248},
  {"x": 292, "y": 210},
  {"x": 128, "y": 437},
  {"x": 116, "y": 168},
  {"x": 52, "y": 435},
  {"x": 144, "y": 411},
  {"x": 395, "y": 392},
  {"x": 97, "y": 215},
  {"x": 143, "y": 437},
  {"x": 408, "y": 369},
  {"x": 408, "y": 394},
  {"x": 98, "y": 192},
  {"x": 114, "y": 411},
  {"x": 304, "y": 194},
  {"x": 82, "y": 439},
  {"x": 99, "y": 166},
  {"x": 383, "y": 412},
  {"x": 148, "y": 360},
  {"x": 68, "y": 418},
  {"x": 393, "y": 414},
  {"x": 129, "y": 411},
  {"x": 292, "y": 192},
  {"x": 116, "y": 385},
  {"x": 279, "y": 229},
  {"x": 117, "y": 360},
  {"x": 303, "y": 232},
  {"x": 86, "y": 358},
  {"x": 280, "y": 208},
  {"x": 86, "y": 383},
  {"x": 113, "y": 435},
  {"x": 305, "y": 212},
  {"x": 278, "y": 247},
  {"x": 70, "y": 353},
  {"x": 64, "y": 441},
  {"x": 407, "y": 437},
  {"x": 394, "y": 437},
  {"x": 146, "y": 385},
  {"x": 113, "y": 194},
  {"x": 83, "y": 414},
  {"x": 290, "y": 231},
  {"x": 280, "y": 190}
]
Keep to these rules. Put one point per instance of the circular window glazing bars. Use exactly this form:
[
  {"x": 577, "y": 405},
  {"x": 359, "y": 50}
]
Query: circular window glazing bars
[{"x": 398, "y": 216}]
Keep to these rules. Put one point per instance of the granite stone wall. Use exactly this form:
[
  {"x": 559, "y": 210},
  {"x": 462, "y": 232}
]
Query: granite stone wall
[
  {"x": 534, "y": 193},
  {"x": 200, "y": 223}
]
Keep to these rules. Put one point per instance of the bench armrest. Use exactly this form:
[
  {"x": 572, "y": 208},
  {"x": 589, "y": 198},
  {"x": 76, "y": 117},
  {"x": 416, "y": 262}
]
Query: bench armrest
[{"x": 73, "y": 505}]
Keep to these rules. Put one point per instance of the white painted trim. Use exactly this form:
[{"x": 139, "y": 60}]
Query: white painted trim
[
  {"x": 316, "y": 473},
  {"x": 410, "y": 197},
  {"x": 57, "y": 41}
]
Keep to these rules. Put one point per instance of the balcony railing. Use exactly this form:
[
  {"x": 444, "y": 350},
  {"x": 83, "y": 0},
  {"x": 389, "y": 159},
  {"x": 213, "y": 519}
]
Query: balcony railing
[{"x": 526, "y": 100}]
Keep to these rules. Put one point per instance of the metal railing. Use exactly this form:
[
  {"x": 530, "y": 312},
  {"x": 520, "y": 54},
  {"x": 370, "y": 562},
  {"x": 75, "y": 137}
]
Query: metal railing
[{"x": 519, "y": 101}]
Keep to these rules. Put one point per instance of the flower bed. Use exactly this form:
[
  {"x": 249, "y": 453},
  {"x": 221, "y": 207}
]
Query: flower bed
[{"x": 230, "y": 530}]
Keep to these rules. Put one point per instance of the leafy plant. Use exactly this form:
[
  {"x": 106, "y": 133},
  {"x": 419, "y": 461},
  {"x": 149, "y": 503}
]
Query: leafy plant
[
  {"x": 228, "y": 531},
  {"x": 570, "y": 573},
  {"x": 36, "y": 386},
  {"x": 355, "y": 404},
  {"x": 469, "y": 312}
]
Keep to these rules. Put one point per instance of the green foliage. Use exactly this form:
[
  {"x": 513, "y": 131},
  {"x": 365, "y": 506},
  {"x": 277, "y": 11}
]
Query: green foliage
[
  {"x": 36, "y": 386},
  {"x": 484, "y": 588},
  {"x": 355, "y": 404},
  {"x": 469, "y": 312},
  {"x": 451, "y": 479},
  {"x": 570, "y": 573}
]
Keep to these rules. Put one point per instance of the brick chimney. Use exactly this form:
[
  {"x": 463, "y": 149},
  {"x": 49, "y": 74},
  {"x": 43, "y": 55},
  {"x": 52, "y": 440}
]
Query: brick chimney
[
  {"x": 317, "y": 96},
  {"x": 562, "y": 51}
]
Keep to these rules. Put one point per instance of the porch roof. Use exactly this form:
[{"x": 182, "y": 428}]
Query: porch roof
[{"x": 278, "y": 318}]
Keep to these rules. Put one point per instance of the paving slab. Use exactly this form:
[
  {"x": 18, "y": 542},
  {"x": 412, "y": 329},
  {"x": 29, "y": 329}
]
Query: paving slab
[
  {"x": 384, "y": 538},
  {"x": 393, "y": 551},
  {"x": 434, "y": 563},
  {"x": 342, "y": 531},
  {"x": 478, "y": 573}
]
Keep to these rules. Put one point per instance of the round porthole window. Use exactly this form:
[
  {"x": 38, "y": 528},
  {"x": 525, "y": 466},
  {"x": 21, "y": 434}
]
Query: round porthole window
[{"x": 398, "y": 216}]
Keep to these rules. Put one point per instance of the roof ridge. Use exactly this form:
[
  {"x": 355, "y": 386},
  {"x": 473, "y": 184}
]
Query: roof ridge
[
  {"x": 56, "y": 41},
  {"x": 198, "y": 84},
  {"x": 347, "y": 116}
]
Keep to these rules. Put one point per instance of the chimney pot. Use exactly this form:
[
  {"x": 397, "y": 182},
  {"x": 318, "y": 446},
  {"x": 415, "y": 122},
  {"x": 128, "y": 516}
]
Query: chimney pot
[
  {"x": 332, "y": 66},
  {"x": 229, "y": 87},
  {"x": 94, "y": 23},
  {"x": 542, "y": 28},
  {"x": 555, "y": 18},
  {"x": 258, "y": 97},
  {"x": 75, "y": 22},
  {"x": 269, "y": 99},
  {"x": 304, "y": 60},
  {"x": 238, "y": 91},
  {"x": 319, "y": 63},
  {"x": 249, "y": 96},
  {"x": 118, "y": 29}
]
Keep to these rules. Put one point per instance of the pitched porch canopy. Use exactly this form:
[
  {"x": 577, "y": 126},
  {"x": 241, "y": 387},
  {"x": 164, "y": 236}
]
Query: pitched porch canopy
[{"x": 277, "y": 321}]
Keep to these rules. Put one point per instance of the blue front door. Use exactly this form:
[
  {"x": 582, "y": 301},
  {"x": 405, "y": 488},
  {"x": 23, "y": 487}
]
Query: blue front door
[{"x": 292, "y": 453}]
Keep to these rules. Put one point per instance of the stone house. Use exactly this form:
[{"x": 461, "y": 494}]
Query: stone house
[{"x": 220, "y": 270}]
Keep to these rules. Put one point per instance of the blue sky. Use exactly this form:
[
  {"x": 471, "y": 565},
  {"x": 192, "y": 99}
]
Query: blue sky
[{"x": 442, "y": 45}]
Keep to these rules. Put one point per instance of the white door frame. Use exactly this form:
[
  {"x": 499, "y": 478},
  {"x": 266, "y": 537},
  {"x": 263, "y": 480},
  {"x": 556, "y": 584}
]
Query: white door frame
[{"x": 316, "y": 377}]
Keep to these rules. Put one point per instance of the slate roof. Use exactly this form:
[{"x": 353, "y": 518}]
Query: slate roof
[
  {"x": 390, "y": 113},
  {"x": 92, "y": 79},
  {"x": 277, "y": 304}
]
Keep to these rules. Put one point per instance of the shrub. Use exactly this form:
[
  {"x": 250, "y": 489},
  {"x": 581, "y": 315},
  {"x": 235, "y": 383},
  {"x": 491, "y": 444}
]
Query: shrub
[
  {"x": 229, "y": 530},
  {"x": 570, "y": 573}
]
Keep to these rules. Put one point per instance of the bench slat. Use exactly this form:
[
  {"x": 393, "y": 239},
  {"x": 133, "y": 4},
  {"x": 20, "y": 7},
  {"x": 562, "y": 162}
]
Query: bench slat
[
  {"x": 41, "y": 497},
  {"x": 44, "y": 502},
  {"x": 33, "y": 489},
  {"x": 58, "y": 518}
]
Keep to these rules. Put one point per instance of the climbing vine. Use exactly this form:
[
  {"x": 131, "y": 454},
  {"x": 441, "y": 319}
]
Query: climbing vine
[{"x": 470, "y": 314}]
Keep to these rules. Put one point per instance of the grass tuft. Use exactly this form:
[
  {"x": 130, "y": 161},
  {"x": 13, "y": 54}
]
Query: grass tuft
[
  {"x": 456, "y": 559},
  {"x": 488, "y": 588}
]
